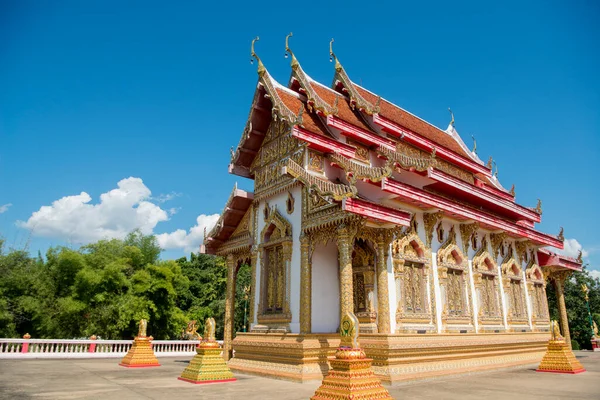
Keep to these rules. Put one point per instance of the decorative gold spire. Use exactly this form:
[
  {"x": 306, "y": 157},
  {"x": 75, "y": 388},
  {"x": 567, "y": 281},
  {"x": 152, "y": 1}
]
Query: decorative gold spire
[
  {"x": 538, "y": 208},
  {"x": 349, "y": 331},
  {"x": 561, "y": 234},
  {"x": 288, "y": 51},
  {"x": 254, "y": 56},
  {"x": 356, "y": 100},
  {"x": 314, "y": 102},
  {"x": 512, "y": 190},
  {"x": 489, "y": 162},
  {"x": 580, "y": 257},
  {"x": 452, "y": 115}
]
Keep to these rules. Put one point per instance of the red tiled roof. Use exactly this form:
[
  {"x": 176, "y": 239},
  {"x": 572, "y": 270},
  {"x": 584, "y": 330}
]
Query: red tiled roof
[
  {"x": 415, "y": 124},
  {"x": 310, "y": 121},
  {"x": 344, "y": 111}
]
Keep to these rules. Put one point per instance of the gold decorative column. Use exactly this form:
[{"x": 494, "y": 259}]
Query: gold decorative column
[
  {"x": 559, "y": 281},
  {"x": 383, "y": 298},
  {"x": 345, "y": 239},
  {"x": 229, "y": 305},
  {"x": 254, "y": 266},
  {"x": 305, "y": 284}
]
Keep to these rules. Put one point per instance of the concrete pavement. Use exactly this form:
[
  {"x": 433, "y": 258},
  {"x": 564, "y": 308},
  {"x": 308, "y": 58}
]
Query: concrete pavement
[{"x": 104, "y": 379}]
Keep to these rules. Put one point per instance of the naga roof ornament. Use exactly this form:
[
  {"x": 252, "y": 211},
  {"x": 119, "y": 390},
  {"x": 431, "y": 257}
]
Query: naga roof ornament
[
  {"x": 355, "y": 170},
  {"x": 314, "y": 102},
  {"x": 279, "y": 110},
  {"x": 452, "y": 115},
  {"x": 397, "y": 158},
  {"x": 323, "y": 187},
  {"x": 356, "y": 100}
]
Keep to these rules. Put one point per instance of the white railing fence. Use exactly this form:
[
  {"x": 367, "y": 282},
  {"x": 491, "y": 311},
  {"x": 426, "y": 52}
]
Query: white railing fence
[{"x": 89, "y": 348}]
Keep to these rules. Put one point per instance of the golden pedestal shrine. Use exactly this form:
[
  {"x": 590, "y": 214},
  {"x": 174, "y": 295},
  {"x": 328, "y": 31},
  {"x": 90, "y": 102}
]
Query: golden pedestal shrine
[
  {"x": 351, "y": 376},
  {"x": 141, "y": 354},
  {"x": 207, "y": 366},
  {"x": 559, "y": 358}
]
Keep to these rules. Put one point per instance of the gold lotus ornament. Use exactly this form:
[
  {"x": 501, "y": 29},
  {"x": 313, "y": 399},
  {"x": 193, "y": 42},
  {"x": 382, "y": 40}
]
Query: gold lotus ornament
[
  {"x": 350, "y": 376},
  {"x": 559, "y": 358},
  {"x": 207, "y": 366},
  {"x": 140, "y": 354}
]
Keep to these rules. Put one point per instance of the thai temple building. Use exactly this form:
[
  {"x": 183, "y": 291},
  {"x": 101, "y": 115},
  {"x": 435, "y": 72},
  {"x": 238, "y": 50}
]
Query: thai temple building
[{"x": 361, "y": 206}]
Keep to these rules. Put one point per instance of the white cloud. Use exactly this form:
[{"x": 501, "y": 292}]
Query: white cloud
[
  {"x": 188, "y": 241},
  {"x": 572, "y": 247},
  {"x": 163, "y": 198},
  {"x": 595, "y": 273},
  {"x": 5, "y": 208},
  {"x": 120, "y": 211}
]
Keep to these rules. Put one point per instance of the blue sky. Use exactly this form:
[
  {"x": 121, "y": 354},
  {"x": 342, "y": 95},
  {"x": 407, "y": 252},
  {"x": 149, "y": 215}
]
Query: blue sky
[{"x": 95, "y": 93}]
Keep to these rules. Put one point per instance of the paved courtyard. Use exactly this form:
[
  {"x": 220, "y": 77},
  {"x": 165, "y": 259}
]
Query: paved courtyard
[{"x": 104, "y": 379}]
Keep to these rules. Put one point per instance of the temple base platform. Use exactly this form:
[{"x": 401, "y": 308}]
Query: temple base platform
[
  {"x": 396, "y": 358},
  {"x": 560, "y": 359},
  {"x": 207, "y": 366},
  {"x": 140, "y": 355}
]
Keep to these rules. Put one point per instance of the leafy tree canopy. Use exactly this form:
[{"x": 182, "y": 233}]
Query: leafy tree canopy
[{"x": 106, "y": 287}]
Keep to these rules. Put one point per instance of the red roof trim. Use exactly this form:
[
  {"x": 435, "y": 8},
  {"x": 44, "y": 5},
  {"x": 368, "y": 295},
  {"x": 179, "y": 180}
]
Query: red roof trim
[
  {"x": 483, "y": 194},
  {"x": 481, "y": 184},
  {"x": 427, "y": 145},
  {"x": 376, "y": 211},
  {"x": 432, "y": 200},
  {"x": 359, "y": 134},
  {"x": 546, "y": 258},
  {"x": 323, "y": 143}
]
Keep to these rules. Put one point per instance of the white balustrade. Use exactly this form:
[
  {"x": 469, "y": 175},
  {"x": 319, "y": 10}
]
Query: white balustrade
[{"x": 87, "y": 348}]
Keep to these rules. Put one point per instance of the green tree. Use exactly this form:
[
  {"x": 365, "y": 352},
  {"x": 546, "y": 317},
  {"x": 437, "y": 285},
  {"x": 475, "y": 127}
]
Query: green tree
[{"x": 577, "y": 311}]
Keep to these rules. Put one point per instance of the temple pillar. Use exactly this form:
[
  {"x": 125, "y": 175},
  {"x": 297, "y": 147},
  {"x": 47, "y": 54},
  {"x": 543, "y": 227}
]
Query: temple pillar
[
  {"x": 383, "y": 298},
  {"x": 559, "y": 281},
  {"x": 253, "y": 266},
  {"x": 345, "y": 242},
  {"x": 305, "y": 284},
  {"x": 229, "y": 305}
]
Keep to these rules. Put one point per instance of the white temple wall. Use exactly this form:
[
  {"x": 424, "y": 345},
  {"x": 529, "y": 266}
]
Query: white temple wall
[
  {"x": 393, "y": 299},
  {"x": 325, "y": 315},
  {"x": 474, "y": 297},
  {"x": 503, "y": 299},
  {"x": 437, "y": 292},
  {"x": 527, "y": 300}
]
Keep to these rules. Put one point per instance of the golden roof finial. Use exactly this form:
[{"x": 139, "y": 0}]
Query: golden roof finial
[
  {"x": 451, "y": 114},
  {"x": 580, "y": 257},
  {"x": 561, "y": 234},
  {"x": 512, "y": 190},
  {"x": 489, "y": 163},
  {"x": 332, "y": 56},
  {"x": 254, "y": 56},
  {"x": 331, "y": 53},
  {"x": 349, "y": 331},
  {"x": 538, "y": 208},
  {"x": 289, "y": 52}
]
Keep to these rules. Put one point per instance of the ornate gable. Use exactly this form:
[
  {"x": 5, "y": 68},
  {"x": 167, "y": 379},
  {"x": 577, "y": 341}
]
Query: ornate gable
[{"x": 450, "y": 255}]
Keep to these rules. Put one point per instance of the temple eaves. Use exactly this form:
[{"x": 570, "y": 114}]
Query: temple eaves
[
  {"x": 314, "y": 102},
  {"x": 356, "y": 100}
]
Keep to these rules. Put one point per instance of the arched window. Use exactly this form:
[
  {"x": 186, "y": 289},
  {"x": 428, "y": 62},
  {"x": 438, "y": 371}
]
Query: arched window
[
  {"x": 412, "y": 261},
  {"x": 453, "y": 274},
  {"x": 485, "y": 275}
]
